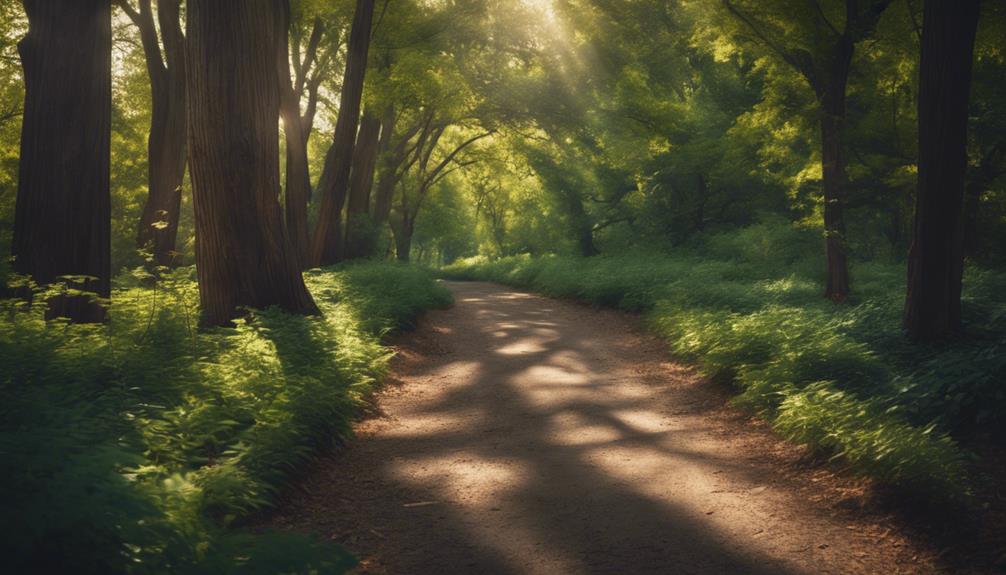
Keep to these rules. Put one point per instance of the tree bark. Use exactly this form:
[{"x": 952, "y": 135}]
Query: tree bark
[
  {"x": 936, "y": 258},
  {"x": 403, "y": 239},
  {"x": 585, "y": 242},
  {"x": 298, "y": 175},
  {"x": 338, "y": 162},
  {"x": 827, "y": 72},
  {"x": 158, "y": 229},
  {"x": 392, "y": 154},
  {"x": 579, "y": 221},
  {"x": 244, "y": 257},
  {"x": 62, "y": 223},
  {"x": 359, "y": 225},
  {"x": 834, "y": 181},
  {"x": 383, "y": 196}
]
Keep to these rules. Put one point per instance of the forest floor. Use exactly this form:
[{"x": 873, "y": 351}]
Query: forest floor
[{"x": 520, "y": 434}]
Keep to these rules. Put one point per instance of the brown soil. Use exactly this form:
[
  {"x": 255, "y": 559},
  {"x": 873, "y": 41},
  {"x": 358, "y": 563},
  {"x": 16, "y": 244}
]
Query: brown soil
[{"x": 528, "y": 435}]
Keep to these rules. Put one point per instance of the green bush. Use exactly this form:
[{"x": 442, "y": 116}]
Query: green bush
[
  {"x": 138, "y": 446},
  {"x": 747, "y": 307}
]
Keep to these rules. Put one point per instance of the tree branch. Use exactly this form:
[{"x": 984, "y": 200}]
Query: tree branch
[
  {"x": 450, "y": 157},
  {"x": 126, "y": 7},
  {"x": 816, "y": 4},
  {"x": 799, "y": 60},
  {"x": 311, "y": 55},
  {"x": 144, "y": 21},
  {"x": 600, "y": 226}
]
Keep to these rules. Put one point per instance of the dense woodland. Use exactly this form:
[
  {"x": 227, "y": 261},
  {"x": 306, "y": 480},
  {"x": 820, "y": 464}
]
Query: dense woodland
[{"x": 807, "y": 199}]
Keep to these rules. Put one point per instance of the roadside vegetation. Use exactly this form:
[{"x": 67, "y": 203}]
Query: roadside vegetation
[
  {"x": 140, "y": 445},
  {"x": 239, "y": 156},
  {"x": 745, "y": 306}
]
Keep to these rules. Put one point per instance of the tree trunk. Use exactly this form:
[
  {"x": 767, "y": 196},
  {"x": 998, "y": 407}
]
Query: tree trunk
[
  {"x": 383, "y": 196},
  {"x": 158, "y": 229},
  {"x": 580, "y": 223},
  {"x": 834, "y": 181},
  {"x": 387, "y": 165},
  {"x": 700, "y": 209},
  {"x": 585, "y": 242},
  {"x": 298, "y": 175},
  {"x": 403, "y": 239},
  {"x": 338, "y": 162},
  {"x": 359, "y": 225},
  {"x": 62, "y": 223},
  {"x": 936, "y": 258},
  {"x": 243, "y": 255}
]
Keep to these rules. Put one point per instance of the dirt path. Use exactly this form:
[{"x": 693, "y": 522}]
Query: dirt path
[{"x": 529, "y": 435}]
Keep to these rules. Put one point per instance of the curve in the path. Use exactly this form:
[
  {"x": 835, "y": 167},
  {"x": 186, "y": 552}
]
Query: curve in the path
[{"x": 530, "y": 435}]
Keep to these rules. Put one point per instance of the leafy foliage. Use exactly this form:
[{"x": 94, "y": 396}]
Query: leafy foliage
[
  {"x": 138, "y": 446},
  {"x": 746, "y": 307}
]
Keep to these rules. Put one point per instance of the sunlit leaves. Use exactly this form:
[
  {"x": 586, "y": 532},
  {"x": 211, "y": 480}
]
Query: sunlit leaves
[{"x": 129, "y": 446}]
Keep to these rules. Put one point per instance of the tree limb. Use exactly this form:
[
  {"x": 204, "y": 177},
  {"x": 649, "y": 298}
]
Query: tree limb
[
  {"x": 799, "y": 59},
  {"x": 816, "y": 4}
]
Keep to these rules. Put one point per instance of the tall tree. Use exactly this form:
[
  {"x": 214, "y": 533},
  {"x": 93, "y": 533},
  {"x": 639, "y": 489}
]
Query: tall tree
[
  {"x": 428, "y": 173},
  {"x": 158, "y": 230},
  {"x": 359, "y": 224},
  {"x": 334, "y": 182},
  {"x": 244, "y": 257},
  {"x": 63, "y": 215},
  {"x": 822, "y": 55},
  {"x": 301, "y": 74},
  {"x": 936, "y": 259},
  {"x": 394, "y": 159}
]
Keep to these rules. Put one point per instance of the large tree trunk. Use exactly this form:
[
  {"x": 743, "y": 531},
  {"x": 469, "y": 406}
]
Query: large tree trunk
[
  {"x": 338, "y": 162},
  {"x": 359, "y": 225},
  {"x": 298, "y": 175},
  {"x": 62, "y": 221},
  {"x": 158, "y": 229},
  {"x": 243, "y": 255},
  {"x": 936, "y": 259}
]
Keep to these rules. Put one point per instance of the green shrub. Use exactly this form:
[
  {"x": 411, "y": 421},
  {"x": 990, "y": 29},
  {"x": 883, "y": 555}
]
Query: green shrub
[
  {"x": 747, "y": 307},
  {"x": 137, "y": 446}
]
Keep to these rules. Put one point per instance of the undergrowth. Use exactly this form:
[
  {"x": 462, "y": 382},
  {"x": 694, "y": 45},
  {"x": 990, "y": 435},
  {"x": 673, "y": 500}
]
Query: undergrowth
[
  {"x": 140, "y": 445},
  {"x": 747, "y": 308}
]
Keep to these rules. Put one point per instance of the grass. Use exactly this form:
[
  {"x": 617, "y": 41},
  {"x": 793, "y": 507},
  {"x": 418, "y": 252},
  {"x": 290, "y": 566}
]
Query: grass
[
  {"x": 139, "y": 446},
  {"x": 747, "y": 308}
]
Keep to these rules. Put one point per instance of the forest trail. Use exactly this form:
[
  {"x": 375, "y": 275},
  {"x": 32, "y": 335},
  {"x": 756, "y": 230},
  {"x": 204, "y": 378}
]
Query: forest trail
[{"x": 521, "y": 434}]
